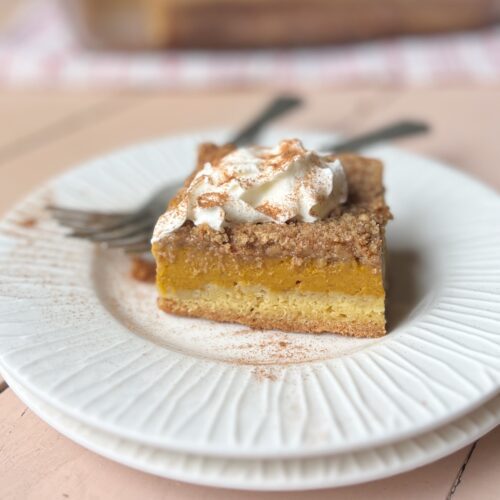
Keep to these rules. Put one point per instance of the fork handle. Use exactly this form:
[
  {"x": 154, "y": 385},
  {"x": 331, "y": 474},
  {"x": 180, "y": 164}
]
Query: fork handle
[
  {"x": 393, "y": 131},
  {"x": 277, "y": 107}
]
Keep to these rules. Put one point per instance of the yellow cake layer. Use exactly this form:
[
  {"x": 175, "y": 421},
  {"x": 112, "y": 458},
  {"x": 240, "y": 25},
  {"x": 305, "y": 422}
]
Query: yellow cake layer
[
  {"x": 191, "y": 269},
  {"x": 293, "y": 310}
]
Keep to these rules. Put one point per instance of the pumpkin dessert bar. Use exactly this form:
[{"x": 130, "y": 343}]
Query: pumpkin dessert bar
[{"x": 299, "y": 249}]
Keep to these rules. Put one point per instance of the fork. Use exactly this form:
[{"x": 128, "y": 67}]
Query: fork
[{"x": 132, "y": 231}]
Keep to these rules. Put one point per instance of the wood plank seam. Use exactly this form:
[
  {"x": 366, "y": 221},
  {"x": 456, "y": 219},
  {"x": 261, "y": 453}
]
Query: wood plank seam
[
  {"x": 66, "y": 126},
  {"x": 461, "y": 470},
  {"x": 349, "y": 122}
]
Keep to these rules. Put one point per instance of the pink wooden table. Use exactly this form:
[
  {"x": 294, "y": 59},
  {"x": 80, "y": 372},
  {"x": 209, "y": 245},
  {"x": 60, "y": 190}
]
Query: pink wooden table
[{"x": 42, "y": 134}]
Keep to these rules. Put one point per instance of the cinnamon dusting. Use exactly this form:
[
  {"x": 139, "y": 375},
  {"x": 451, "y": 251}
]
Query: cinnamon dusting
[
  {"x": 210, "y": 200},
  {"x": 289, "y": 150},
  {"x": 269, "y": 210}
]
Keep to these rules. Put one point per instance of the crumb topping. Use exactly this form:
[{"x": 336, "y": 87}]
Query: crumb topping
[{"x": 353, "y": 230}]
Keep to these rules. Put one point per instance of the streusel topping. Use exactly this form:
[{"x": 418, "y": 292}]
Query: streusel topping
[{"x": 353, "y": 230}]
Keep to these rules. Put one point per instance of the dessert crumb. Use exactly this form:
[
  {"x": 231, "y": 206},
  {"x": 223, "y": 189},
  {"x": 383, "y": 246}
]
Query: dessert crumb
[
  {"x": 29, "y": 222},
  {"x": 143, "y": 270}
]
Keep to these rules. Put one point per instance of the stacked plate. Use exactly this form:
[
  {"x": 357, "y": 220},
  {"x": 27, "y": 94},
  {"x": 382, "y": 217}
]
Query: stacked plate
[{"x": 84, "y": 346}]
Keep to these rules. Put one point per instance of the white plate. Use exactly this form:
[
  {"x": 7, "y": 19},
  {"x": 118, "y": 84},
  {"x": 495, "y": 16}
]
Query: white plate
[
  {"x": 82, "y": 336},
  {"x": 278, "y": 474}
]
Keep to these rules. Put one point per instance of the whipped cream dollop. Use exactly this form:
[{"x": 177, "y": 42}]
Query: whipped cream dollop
[{"x": 259, "y": 184}]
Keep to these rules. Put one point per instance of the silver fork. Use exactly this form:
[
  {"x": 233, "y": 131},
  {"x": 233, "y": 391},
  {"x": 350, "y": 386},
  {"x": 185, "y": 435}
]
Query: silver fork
[{"x": 131, "y": 231}]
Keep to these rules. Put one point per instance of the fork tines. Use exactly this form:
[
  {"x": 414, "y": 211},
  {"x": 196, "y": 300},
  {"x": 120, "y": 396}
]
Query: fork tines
[{"x": 131, "y": 232}]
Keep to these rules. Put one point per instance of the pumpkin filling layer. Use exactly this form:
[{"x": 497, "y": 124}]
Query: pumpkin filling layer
[{"x": 190, "y": 269}]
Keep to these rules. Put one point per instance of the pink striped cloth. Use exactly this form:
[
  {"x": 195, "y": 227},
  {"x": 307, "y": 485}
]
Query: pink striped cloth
[{"x": 39, "y": 49}]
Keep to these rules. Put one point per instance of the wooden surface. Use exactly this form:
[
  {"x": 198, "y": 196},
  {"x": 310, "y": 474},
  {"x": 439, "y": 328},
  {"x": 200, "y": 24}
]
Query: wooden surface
[{"x": 42, "y": 134}]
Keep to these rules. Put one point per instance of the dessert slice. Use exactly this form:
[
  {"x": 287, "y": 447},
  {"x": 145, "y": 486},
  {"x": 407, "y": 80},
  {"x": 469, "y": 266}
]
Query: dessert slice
[{"x": 276, "y": 238}]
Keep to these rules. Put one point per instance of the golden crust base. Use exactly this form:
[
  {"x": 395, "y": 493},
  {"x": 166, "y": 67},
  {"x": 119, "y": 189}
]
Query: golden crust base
[
  {"x": 291, "y": 312},
  {"x": 360, "y": 330}
]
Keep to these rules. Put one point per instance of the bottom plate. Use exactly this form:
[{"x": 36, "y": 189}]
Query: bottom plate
[{"x": 293, "y": 474}]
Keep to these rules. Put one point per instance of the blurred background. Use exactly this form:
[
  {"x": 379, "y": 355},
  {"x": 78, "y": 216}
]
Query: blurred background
[
  {"x": 185, "y": 44},
  {"x": 79, "y": 78}
]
